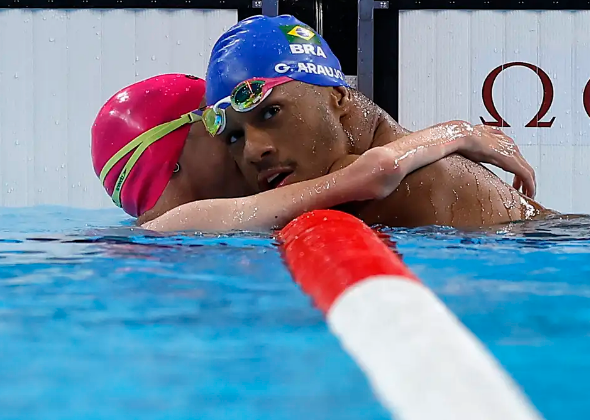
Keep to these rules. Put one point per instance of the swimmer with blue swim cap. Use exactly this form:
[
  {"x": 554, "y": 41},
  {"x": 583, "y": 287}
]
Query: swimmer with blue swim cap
[
  {"x": 277, "y": 96},
  {"x": 259, "y": 54}
]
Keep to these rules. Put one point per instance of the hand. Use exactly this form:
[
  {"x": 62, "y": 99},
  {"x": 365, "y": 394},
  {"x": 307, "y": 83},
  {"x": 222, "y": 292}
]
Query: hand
[{"x": 490, "y": 145}]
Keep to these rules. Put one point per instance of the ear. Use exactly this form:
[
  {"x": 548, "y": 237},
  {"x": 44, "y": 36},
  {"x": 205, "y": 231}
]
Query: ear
[{"x": 340, "y": 100}]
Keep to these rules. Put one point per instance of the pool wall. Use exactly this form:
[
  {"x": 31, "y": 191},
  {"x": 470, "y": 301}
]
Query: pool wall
[
  {"x": 538, "y": 57},
  {"x": 57, "y": 68}
]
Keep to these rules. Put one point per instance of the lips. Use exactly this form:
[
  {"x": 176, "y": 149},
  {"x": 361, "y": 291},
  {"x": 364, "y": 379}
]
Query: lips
[{"x": 274, "y": 178}]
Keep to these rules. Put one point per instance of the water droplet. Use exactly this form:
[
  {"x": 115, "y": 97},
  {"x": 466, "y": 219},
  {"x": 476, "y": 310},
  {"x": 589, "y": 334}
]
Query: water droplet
[
  {"x": 63, "y": 165},
  {"x": 153, "y": 58},
  {"x": 178, "y": 42},
  {"x": 97, "y": 57},
  {"x": 16, "y": 75},
  {"x": 51, "y": 39},
  {"x": 136, "y": 58},
  {"x": 45, "y": 169},
  {"x": 16, "y": 142},
  {"x": 56, "y": 122}
]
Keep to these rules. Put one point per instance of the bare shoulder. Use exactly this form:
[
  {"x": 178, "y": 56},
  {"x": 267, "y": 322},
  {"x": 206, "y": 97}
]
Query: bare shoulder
[{"x": 452, "y": 192}]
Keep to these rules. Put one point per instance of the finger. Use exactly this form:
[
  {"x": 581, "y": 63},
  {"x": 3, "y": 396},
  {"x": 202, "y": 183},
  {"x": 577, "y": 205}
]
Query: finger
[
  {"x": 524, "y": 175},
  {"x": 531, "y": 186},
  {"x": 517, "y": 183},
  {"x": 515, "y": 163},
  {"x": 529, "y": 181},
  {"x": 525, "y": 172}
]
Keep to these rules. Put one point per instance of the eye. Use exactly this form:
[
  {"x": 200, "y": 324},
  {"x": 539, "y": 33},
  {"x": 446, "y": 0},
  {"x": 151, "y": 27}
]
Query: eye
[
  {"x": 234, "y": 137},
  {"x": 270, "y": 112}
]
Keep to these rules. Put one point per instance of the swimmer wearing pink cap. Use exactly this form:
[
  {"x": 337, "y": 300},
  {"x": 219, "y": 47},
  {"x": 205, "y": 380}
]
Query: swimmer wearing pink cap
[{"x": 156, "y": 161}]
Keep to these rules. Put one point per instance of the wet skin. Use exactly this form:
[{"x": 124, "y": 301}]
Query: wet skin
[{"x": 302, "y": 132}]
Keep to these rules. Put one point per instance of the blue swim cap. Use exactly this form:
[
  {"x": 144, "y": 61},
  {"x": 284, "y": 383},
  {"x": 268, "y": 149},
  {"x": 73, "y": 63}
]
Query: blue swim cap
[{"x": 268, "y": 47}]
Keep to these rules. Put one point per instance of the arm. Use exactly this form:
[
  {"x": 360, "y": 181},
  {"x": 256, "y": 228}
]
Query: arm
[
  {"x": 454, "y": 191},
  {"x": 412, "y": 151},
  {"x": 373, "y": 175},
  {"x": 277, "y": 207},
  {"x": 479, "y": 143}
]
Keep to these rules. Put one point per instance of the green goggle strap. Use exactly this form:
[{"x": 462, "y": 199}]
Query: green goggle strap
[{"x": 140, "y": 144}]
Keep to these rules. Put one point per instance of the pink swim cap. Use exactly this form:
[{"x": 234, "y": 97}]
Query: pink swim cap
[{"x": 135, "y": 170}]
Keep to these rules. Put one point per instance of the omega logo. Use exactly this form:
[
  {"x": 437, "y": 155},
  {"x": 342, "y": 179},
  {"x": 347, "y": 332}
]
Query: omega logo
[{"x": 538, "y": 119}]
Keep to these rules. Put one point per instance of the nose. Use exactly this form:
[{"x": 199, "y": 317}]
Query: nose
[{"x": 258, "y": 146}]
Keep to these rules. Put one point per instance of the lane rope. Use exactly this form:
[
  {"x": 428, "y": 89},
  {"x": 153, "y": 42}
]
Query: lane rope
[{"x": 421, "y": 361}]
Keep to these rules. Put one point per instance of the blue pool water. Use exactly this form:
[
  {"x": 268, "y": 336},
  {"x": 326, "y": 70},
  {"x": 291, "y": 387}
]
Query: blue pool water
[{"x": 101, "y": 321}]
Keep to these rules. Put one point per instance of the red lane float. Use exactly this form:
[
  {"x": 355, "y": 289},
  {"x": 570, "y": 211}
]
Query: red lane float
[{"x": 421, "y": 361}]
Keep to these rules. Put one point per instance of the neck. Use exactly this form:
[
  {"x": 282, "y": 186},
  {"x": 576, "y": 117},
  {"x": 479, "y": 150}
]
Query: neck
[{"x": 362, "y": 122}]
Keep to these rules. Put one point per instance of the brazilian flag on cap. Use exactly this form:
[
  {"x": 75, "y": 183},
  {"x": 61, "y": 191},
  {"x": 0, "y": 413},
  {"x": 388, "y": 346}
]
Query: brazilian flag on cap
[
  {"x": 263, "y": 46},
  {"x": 300, "y": 34}
]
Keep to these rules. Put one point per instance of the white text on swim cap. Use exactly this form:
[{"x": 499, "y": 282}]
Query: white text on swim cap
[
  {"x": 320, "y": 69},
  {"x": 307, "y": 49},
  {"x": 282, "y": 68}
]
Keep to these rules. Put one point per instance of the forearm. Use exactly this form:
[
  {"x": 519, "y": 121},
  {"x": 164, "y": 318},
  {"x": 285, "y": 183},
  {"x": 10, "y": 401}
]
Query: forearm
[{"x": 263, "y": 211}]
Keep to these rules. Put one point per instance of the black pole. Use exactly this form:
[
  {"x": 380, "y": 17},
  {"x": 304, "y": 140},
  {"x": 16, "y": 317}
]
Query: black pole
[
  {"x": 270, "y": 7},
  {"x": 387, "y": 60},
  {"x": 365, "y": 47}
]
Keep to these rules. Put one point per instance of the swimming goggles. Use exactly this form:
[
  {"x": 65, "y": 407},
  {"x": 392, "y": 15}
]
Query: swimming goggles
[
  {"x": 245, "y": 97},
  {"x": 140, "y": 145}
]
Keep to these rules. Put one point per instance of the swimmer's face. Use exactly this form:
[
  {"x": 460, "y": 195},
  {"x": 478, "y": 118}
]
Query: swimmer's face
[
  {"x": 294, "y": 135},
  {"x": 207, "y": 171}
]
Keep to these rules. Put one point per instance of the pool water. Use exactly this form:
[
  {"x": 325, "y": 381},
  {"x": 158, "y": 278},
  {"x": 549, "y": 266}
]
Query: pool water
[{"x": 100, "y": 320}]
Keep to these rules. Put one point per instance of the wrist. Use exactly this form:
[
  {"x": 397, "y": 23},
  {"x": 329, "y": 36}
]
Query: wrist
[{"x": 459, "y": 134}]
